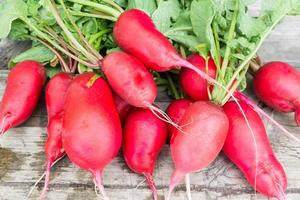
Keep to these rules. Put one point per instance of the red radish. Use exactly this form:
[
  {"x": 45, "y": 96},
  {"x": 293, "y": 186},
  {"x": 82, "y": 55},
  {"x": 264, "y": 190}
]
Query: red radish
[
  {"x": 130, "y": 79},
  {"x": 192, "y": 84},
  {"x": 277, "y": 84},
  {"x": 251, "y": 151},
  {"x": 176, "y": 110},
  {"x": 92, "y": 131},
  {"x": 204, "y": 129},
  {"x": 144, "y": 138},
  {"x": 153, "y": 49},
  {"x": 55, "y": 93},
  {"x": 123, "y": 107},
  {"x": 21, "y": 95},
  {"x": 56, "y": 90}
]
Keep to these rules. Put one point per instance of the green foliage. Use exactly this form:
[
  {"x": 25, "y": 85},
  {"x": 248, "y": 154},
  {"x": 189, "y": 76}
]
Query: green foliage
[
  {"x": 146, "y": 5},
  {"x": 38, "y": 53}
]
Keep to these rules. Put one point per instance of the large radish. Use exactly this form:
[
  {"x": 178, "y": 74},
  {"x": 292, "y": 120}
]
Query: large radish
[
  {"x": 92, "y": 132},
  {"x": 204, "y": 129},
  {"x": 56, "y": 90},
  {"x": 194, "y": 85},
  {"x": 137, "y": 35},
  {"x": 144, "y": 137},
  {"x": 251, "y": 151},
  {"x": 277, "y": 84},
  {"x": 21, "y": 95}
]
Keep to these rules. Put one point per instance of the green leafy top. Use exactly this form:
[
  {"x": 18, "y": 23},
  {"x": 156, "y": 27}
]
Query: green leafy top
[
  {"x": 79, "y": 29},
  {"x": 74, "y": 30}
]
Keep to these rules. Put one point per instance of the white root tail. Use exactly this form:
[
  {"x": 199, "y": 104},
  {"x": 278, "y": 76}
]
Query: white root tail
[
  {"x": 188, "y": 187},
  {"x": 98, "y": 183},
  {"x": 160, "y": 114},
  {"x": 42, "y": 176}
]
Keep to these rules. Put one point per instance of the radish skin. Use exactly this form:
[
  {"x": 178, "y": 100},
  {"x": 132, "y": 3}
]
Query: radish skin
[
  {"x": 205, "y": 127},
  {"x": 194, "y": 85},
  {"x": 92, "y": 132},
  {"x": 55, "y": 93},
  {"x": 144, "y": 138},
  {"x": 176, "y": 110},
  {"x": 277, "y": 84},
  {"x": 260, "y": 166},
  {"x": 21, "y": 95},
  {"x": 129, "y": 78},
  {"x": 122, "y": 106}
]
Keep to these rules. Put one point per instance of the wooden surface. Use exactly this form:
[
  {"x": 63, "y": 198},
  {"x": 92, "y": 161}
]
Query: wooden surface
[{"x": 22, "y": 156}]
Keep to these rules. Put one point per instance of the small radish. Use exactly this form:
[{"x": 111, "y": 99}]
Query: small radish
[
  {"x": 194, "y": 85},
  {"x": 21, "y": 95},
  {"x": 204, "y": 129},
  {"x": 122, "y": 106},
  {"x": 55, "y": 100},
  {"x": 277, "y": 84},
  {"x": 251, "y": 151},
  {"x": 129, "y": 78},
  {"x": 55, "y": 93},
  {"x": 176, "y": 110},
  {"x": 92, "y": 131},
  {"x": 144, "y": 138}
]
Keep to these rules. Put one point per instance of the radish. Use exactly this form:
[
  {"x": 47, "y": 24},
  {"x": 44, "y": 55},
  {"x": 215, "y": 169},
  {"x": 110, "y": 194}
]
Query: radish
[
  {"x": 154, "y": 49},
  {"x": 92, "y": 131},
  {"x": 204, "y": 129},
  {"x": 176, "y": 110},
  {"x": 122, "y": 106},
  {"x": 21, "y": 95},
  {"x": 55, "y": 99},
  {"x": 55, "y": 93},
  {"x": 194, "y": 85},
  {"x": 144, "y": 138},
  {"x": 277, "y": 84},
  {"x": 130, "y": 79},
  {"x": 252, "y": 153}
]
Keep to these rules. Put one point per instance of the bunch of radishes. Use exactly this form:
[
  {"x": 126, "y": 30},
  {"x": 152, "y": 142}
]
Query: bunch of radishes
[{"x": 84, "y": 116}]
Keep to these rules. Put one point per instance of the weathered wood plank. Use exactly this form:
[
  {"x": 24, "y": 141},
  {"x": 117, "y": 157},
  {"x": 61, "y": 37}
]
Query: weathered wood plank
[
  {"x": 23, "y": 159},
  {"x": 9, "y": 49}
]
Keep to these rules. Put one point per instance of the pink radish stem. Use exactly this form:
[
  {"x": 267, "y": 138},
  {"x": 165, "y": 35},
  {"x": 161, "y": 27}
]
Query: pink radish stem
[
  {"x": 177, "y": 176},
  {"x": 42, "y": 176},
  {"x": 43, "y": 195},
  {"x": 98, "y": 183},
  {"x": 151, "y": 185}
]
